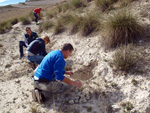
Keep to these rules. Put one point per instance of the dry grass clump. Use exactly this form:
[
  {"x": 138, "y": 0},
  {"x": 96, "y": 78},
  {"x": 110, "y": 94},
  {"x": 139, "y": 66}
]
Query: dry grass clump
[
  {"x": 86, "y": 24},
  {"x": 125, "y": 58},
  {"x": 45, "y": 26},
  {"x": 89, "y": 23},
  {"x": 25, "y": 20},
  {"x": 122, "y": 28},
  {"x": 63, "y": 7},
  {"x": 75, "y": 24},
  {"x": 14, "y": 21},
  {"x": 31, "y": 15},
  {"x": 59, "y": 27},
  {"x": 126, "y": 2},
  {"x": 105, "y": 4},
  {"x": 5, "y": 26},
  {"x": 51, "y": 13},
  {"x": 77, "y": 3}
]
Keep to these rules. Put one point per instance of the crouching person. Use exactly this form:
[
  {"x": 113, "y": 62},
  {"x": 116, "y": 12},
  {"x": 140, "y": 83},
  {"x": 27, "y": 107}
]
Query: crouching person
[
  {"x": 36, "y": 50},
  {"x": 49, "y": 77}
]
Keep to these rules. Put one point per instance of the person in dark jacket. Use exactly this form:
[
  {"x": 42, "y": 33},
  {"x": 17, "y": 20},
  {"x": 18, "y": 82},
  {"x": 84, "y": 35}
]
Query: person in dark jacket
[
  {"x": 36, "y": 49},
  {"x": 28, "y": 38}
]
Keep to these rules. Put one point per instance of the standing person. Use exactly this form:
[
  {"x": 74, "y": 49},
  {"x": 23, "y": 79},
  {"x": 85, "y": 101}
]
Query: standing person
[
  {"x": 49, "y": 76},
  {"x": 37, "y": 15},
  {"x": 36, "y": 50},
  {"x": 28, "y": 38}
]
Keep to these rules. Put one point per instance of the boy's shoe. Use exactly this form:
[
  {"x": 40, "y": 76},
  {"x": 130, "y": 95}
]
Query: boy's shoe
[
  {"x": 21, "y": 56},
  {"x": 38, "y": 23},
  {"x": 34, "y": 95},
  {"x": 32, "y": 65},
  {"x": 39, "y": 96}
]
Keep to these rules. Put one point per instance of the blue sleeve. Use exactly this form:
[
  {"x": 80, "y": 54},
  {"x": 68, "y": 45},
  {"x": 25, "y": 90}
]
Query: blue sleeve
[{"x": 59, "y": 69}]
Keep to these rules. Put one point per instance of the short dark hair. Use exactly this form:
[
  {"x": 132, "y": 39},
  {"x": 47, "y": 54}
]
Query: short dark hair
[
  {"x": 28, "y": 28},
  {"x": 67, "y": 46}
]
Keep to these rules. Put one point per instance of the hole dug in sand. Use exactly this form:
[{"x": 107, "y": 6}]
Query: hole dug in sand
[{"x": 85, "y": 72}]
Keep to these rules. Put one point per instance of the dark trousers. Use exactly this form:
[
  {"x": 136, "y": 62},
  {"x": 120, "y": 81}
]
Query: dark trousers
[
  {"x": 21, "y": 44},
  {"x": 36, "y": 16}
]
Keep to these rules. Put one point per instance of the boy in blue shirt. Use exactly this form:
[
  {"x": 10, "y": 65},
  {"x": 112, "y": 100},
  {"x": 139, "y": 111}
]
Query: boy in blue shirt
[{"x": 49, "y": 76}]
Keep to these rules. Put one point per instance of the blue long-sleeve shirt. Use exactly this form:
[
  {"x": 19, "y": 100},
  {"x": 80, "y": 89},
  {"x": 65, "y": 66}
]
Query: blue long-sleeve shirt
[
  {"x": 52, "y": 66},
  {"x": 37, "y": 47},
  {"x": 28, "y": 39}
]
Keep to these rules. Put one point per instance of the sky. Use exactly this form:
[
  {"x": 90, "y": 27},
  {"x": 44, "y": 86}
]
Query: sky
[{"x": 7, "y": 2}]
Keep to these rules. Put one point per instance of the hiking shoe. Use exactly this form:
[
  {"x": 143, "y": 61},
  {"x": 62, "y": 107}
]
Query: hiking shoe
[
  {"x": 21, "y": 56},
  {"x": 38, "y": 96},
  {"x": 34, "y": 95},
  {"x": 32, "y": 65}
]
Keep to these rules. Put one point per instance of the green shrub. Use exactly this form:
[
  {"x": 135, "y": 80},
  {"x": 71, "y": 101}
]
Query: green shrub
[
  {"x": 45, "y": 26},
  {"x": 125, "y": 58},
  {"x": 122, "y": 28},
  {"x": 25, "y": 20},
  {"x": 105, "y": 4}
]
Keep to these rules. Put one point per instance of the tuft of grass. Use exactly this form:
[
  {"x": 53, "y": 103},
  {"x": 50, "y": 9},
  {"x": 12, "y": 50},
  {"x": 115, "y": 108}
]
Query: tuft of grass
[
  {"x": 89, "y": 23},
  {"x": 31, "y": 16},
  {"x": 128, "y": 107},
  {"x": 14, "y": 21},
  {"x": 105, "y": 4},
  {"x": 113, "y": 84},
  {"x": 25, "y": 20},
  {"x": 33, "y": 109},
  {"x": 126, "y": 2},
  {"x": 77, "y": 3},
  {"x": 75, "y": 24},
  {"x": 5, "y": 26},
  {"x": 63, "y": 7},
  {"x": 122, "y": 28},
  {"x": 45, "y": 26},
  {"x": 59, "y": 27},
  {"x": 66, "y": 18},
  {"x": 134, "y": 82},
  {"x": 51, "y": 13},
  {"x": 125, "y": 58}
]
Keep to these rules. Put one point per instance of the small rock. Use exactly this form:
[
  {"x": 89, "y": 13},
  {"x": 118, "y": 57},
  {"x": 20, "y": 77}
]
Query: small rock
[
  {"x": 76, "y": 101},
  {"x": 17, "y": 81},
  {"x": 71, "y": 101},
  {"x": 87, "y": 96}
]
